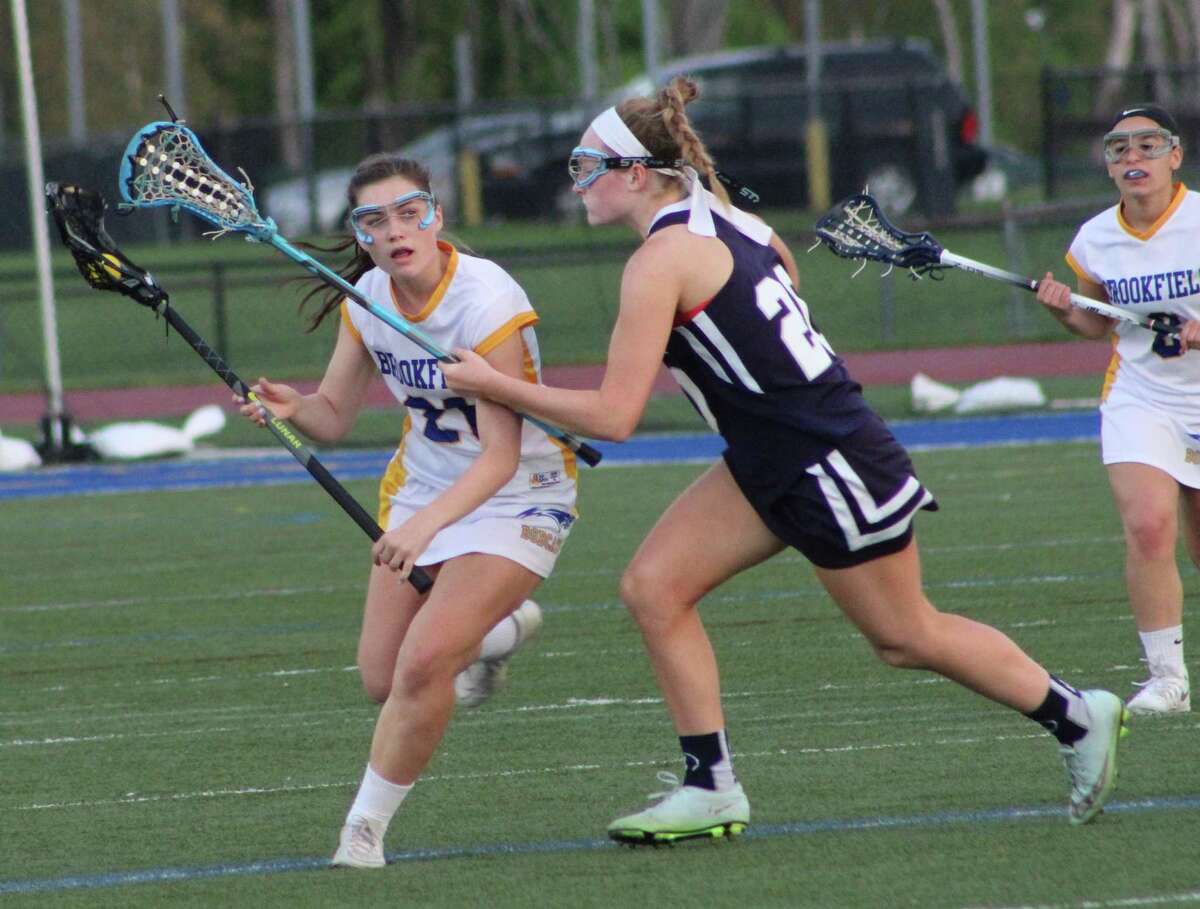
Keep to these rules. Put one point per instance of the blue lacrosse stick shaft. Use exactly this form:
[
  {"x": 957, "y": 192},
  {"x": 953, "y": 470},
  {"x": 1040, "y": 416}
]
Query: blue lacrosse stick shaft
[
  {"x": 585, "y": 451},
  {"x": 405, "y": 328},
  {"x": 223, "y": 201}
]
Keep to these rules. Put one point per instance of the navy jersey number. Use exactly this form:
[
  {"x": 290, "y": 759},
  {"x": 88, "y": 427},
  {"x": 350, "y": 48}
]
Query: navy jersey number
[
  {"x": 433, "y": 413},
  {"x": 1164, "y": 345},
  {"x": 807, "y": 346}
]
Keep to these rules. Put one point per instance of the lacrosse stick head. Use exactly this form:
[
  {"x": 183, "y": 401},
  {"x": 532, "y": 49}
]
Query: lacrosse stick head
[
  {"x": 856, "y": 228},
  {"x": 79, "y": 214},
  {"x": 165, "y": 164}
]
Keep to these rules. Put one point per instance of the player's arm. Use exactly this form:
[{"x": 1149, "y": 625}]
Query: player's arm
[
  {"x": 650, "y": 291},
  {"x": 789, "y": 261},
  {"x": 500, "y": 442},
  {"x": 329, "y": 413},
  {"x": 1056, "y": 297},
  {"x": 499, "y": 439}
]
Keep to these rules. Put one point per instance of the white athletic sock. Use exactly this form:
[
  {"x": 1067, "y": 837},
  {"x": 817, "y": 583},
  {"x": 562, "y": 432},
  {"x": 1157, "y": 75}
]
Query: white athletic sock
[
  {"x": 1164, "y": 651},
  {"x": 722, "y": 771},
  {"x": 501, "y": 640},
  {"x": 377, "y": 799}
]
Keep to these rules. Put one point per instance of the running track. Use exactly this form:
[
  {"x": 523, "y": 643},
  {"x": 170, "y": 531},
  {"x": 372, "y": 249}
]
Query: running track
[
  {"x": 946, "y": 364},
  {"x": 276, "y": 467}
]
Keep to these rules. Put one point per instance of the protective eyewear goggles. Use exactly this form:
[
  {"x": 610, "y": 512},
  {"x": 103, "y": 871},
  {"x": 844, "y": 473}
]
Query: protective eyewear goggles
[
  {"x": 587, "y": 165},
  {"x": 1150, "y": 143},
  {"x": 417, "y": 207}
]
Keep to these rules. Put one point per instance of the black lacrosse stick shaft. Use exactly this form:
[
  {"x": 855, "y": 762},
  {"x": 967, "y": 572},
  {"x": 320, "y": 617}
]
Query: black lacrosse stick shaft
[
  {"x": 79, "y": 214},
  {"x": 418, "y": 577}
]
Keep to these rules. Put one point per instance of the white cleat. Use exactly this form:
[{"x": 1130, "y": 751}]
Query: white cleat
[
  {"x": 483, "y": 678},
  {"x": 684, "y": 813},
  {"x": 1161, "y": 694},
  {"x": 360, "y": 845},
  {"x": 1092, "y": 761}
]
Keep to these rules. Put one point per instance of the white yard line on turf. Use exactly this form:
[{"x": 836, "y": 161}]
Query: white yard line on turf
[
  {"x": 816, "y": 827},
  {"x": 1124, "y": 902}
]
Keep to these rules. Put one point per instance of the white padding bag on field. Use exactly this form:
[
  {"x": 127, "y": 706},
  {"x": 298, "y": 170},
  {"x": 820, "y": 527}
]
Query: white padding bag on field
[
  {"x": 146, "y": 439},
  {"x": 1002, "y": 393},
  {"x": 17, "y": 454}
]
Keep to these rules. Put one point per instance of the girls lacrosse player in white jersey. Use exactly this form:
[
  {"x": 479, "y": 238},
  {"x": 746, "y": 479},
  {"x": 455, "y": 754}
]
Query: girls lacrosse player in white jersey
[
  {"x": 712, "y": 291},
  {"x": 1143, "y": 254},
  {"x": 480, "y": 498}
]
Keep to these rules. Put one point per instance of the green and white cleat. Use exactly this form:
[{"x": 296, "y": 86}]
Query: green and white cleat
[
  {"x": 684, "y": 813},
  {"x": 1092, "y": 761},
  {"x": 360, "y": 845}
]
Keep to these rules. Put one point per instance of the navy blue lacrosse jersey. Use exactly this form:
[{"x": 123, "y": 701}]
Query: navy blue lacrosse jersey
[{"x": 754, "y": 364}]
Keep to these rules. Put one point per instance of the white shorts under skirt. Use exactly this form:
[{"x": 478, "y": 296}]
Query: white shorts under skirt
[
  {"x": 528, "y": 533},
  {"x": 1133, "y": 431}
]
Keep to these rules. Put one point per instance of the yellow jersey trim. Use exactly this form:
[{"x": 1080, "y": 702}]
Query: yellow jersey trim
[
  {"x": 1176, "y": 201},
  {"x": 394, "y": 477},
  {"x": 349, "y": 323},
  {"x": 516, "y": 323},
  {"x": 439, "y": 292},
  {"x": 1110, "y": 373},
  {"x": 1079, "y": 270}
]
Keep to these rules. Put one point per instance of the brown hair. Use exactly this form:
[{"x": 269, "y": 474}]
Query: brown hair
[
  {"x": 662, "y": 126},
  {"x": 372, "y": 169}
]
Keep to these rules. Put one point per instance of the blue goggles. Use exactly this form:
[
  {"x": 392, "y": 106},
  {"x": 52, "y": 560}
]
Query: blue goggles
[
  {"x": 417, "y": 207},
  {"x": 587, "y": 165}
]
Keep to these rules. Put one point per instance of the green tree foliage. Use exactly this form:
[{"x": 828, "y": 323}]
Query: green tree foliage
[{"x": 386, "y": 52}]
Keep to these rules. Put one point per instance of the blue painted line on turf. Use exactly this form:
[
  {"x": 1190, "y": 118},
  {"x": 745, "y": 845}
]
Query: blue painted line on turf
[
  {"x": 278, "y": 468},
  {"x": 761, "y": 831}
]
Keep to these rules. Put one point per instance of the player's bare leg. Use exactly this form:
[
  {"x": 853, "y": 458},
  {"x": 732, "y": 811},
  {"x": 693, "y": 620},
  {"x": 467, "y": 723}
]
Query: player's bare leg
[
  {"x": 1148, "y": 501},
  {"x": 885, "y": 601},
  {"x": 708, "y": 534},
  {"x": 473, "y": 592}
]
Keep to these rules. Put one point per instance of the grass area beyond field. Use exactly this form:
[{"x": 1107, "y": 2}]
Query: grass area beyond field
[
  {"x": 248, "y": 311},
  {"x": 178, "y": 706}
]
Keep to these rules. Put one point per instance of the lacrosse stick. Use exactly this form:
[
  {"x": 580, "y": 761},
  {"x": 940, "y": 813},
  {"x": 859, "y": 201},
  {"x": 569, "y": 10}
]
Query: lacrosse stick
[
  {"x": 855, "y": 228},
  {"x": 164, "y": 164},
  {"x": 79, "y": 214}
]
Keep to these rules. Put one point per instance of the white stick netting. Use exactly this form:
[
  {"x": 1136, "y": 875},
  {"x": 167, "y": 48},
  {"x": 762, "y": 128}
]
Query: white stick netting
[
  {"x": 859, "y": 232},
  {"x": 169, "y": 166}
]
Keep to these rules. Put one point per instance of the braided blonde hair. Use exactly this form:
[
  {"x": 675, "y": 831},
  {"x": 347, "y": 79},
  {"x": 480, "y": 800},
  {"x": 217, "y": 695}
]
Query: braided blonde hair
[{"x": 662, "y": 126}]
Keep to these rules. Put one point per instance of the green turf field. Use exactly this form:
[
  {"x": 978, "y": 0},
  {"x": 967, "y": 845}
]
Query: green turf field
[{"x": 176, "y": 696}]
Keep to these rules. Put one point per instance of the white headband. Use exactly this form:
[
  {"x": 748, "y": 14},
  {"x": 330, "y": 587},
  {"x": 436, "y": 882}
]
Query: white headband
[{"x": 616, "y": 135}]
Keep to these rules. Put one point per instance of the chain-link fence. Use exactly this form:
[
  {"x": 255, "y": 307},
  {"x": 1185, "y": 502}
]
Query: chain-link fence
[
  {"x": 247, "y": 307},
  {"x": 1078, "y": 105}
]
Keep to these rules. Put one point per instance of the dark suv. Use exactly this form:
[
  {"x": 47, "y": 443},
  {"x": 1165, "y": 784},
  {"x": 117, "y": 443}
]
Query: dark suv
[{"x": 895, "y": 121}]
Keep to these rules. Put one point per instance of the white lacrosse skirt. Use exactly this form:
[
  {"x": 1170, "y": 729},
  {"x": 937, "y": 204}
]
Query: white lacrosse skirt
[
  {"x": 478, "y": 306},
  {"x": 518, "y": 528},
  {"x": 1132, "y": 430}
]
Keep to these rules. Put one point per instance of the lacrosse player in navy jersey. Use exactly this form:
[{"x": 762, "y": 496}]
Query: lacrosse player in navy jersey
[
  {"x": 481, "y": 499},
  {"x": 712, "y": 291},
  {"x": 1140, "y": 254}
]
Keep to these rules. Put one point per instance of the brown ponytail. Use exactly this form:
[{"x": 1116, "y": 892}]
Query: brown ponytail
[{"x": 662, "y": 126}]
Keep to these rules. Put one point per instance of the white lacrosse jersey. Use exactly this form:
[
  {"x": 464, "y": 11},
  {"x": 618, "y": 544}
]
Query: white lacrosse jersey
[
  {"x": 1148, "y": 272},
  {"x": 477, "y": 305}
]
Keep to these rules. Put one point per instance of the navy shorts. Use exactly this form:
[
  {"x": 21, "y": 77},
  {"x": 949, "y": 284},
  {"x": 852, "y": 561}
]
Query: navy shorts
[{"x": 854, "y": 504}]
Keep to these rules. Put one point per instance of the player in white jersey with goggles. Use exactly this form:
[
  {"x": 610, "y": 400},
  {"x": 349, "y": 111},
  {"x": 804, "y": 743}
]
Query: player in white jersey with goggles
[
  {"x": 480, "y": 498},
  {"x": 1143, "y": 255}
]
